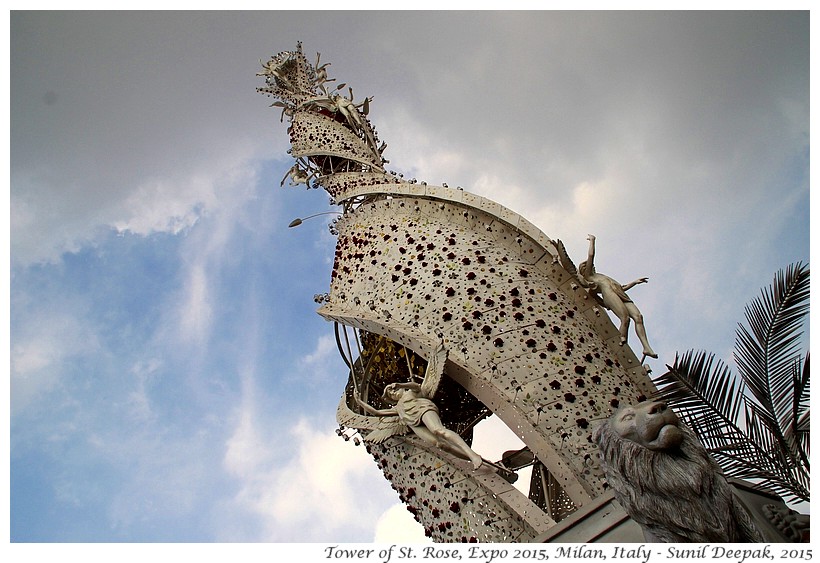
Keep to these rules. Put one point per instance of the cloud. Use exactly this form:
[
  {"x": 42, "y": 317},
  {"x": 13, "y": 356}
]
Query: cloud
[
  {"x": 46, "y": 338},
  {"x": 205, "y": 253},
  {"x": 397, "y": 526},
  {"x": 195, "y": 310},
  {"x": 164, "y": 207},
  {"x": 293, "y": 477},
  {"x": 139, "y": 402},
  {"x": 325, "y": 349},
  {"x": 136, "y": 147},
  {"x": 302, "y": 481},
  {"x": 52, "y": 218},
  {"x": 320, "y": 365}
]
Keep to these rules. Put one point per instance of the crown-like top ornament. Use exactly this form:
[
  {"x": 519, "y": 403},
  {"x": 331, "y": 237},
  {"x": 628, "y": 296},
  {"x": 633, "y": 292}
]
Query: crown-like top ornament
[{"x": 329, "y": 132}]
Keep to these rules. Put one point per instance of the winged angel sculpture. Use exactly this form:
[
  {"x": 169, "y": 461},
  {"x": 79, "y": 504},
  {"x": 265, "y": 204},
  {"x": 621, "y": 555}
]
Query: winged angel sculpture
[
  {"x": 414, "y": 410},
  {"x": 612, "y": 294}
]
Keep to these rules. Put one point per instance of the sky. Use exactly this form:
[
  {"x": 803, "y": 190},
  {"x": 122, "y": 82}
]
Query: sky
[{"x": 170, "y": 379}]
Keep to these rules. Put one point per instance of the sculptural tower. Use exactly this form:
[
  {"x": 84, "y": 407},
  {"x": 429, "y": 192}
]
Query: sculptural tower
[{"x": 450, "y": 290}]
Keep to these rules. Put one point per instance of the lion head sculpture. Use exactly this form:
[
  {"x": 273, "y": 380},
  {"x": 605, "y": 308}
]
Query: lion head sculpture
[{"x": 666, "y": 481}]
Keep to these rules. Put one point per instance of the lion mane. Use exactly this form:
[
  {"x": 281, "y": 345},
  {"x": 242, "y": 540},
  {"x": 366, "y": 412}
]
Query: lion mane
[{"x": 677, "y": 494}]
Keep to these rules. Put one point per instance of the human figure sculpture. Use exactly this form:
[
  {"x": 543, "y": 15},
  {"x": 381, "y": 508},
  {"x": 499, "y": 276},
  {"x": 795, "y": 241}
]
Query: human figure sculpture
[
  {"x": 414, "y": 410},
  {"x": 349, "y": 110},
  {"x": 352, "y": 113},
  {"x": 297, "y": 176},
  {"x": 421, "y": 415},
  {"x": 272, "y": 71},
  {"x": 666, "y": 481},
  {"x": 614, "y": 297},
  {"x": 321, "y": 73}
]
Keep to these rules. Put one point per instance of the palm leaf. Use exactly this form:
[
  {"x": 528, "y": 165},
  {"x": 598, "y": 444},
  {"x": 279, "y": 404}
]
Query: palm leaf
[
  {"x": 706, "y": 396},
  {"x": 757, "y": 426},
  {"x": 781, "y": 473},
  {"x": 709, "y": 399},
  {"x": 798, "y": 432},
  {"x": 765, "y": 352}
]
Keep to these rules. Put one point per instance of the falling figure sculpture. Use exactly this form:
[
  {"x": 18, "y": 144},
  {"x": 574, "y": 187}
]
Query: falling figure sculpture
[
  {"x": 614, "y": 298},
  {"x": 414, "y": 410}
]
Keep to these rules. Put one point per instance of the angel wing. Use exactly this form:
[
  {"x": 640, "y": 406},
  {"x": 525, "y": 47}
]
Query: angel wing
[
  {"x": 569, "y": 265},
  {"x": 563, "y": 257},
  {"x": 385, "y": 428},
  {"x": 434, "y": 372}
]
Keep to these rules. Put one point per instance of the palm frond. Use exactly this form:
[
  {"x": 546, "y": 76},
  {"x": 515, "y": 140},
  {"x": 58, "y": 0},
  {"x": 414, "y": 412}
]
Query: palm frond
[
  {"x": 768, "y": 360},
  {"x": 798, "y": 432},
  {"x": 710, "y": 400},
  {"x": 756, "y": 426},
  {"x": 803, "y": 429},
  {"x": 765, "y": 352},
  {"x": 762, "y": 431},
  {"x": 705, "y": 395}
]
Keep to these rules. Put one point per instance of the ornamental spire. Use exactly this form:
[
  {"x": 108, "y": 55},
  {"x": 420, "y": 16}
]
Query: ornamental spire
[{"x": 329, "y": 130}]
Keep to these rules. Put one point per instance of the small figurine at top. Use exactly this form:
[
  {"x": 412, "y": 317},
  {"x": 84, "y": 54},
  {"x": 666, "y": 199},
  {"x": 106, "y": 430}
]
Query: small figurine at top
[{"x": 614, "y": 298}]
